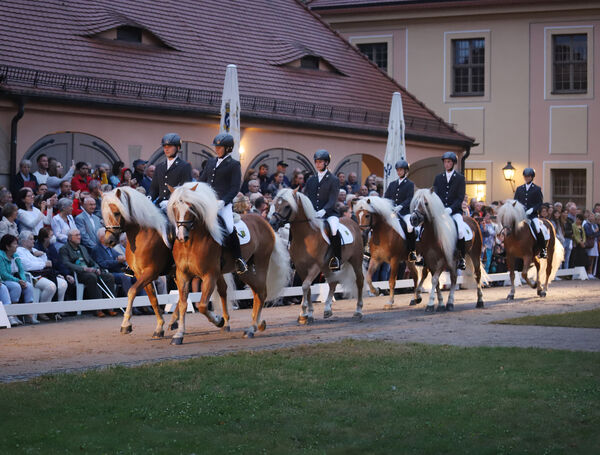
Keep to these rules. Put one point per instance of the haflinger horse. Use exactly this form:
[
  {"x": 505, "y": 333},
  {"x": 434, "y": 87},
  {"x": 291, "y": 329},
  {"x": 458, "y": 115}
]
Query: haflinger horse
[
  {"x": 308, "y": 250},
  {"x": 387, "y": 242},
  {"x": 437, "y": 245},
  {"x": 148, "y": 250},
  {"x": 519, "y": 242},
  {"x": 192, "y": 209}
]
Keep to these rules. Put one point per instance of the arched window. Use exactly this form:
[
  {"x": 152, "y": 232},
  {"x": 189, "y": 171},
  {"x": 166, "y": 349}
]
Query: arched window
[
  {"x": 294, "y": 160},
  {"x": 193, "y": 152},
  {"x": 362, "y": 164}
]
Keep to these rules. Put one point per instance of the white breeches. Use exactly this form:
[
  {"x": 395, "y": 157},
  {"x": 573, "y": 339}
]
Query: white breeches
[
  {"x": 334, "y": 224},
  {"x": 409, "y": 226},
  {"x": 461, "y": 225},
  {"x": 226, "y": 212},
  {"x": 48, "y": 288},
  {"x": 539, "y": 226}
]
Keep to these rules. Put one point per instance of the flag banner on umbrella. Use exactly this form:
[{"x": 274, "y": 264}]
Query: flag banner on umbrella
[
  {"x": 230, "y": 109},
  {"x": 396, "y": 148}
]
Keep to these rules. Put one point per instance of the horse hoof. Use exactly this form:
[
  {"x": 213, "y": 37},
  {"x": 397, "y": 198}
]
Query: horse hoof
[
  {"x": 429, "y": 309},
  {"x": 173, "y": 326},
  {"x": 177, "y": 341},
  {"x": 262, "y": 326},
  {"x": 450, "y": 307},
  {"x": 221, "y": 323},
  {"x": 126, "y": 330},
  {"x": 479, "y": 305},
  {"x": 419, "y": 300},
  {"x": 440, "y": 308},
  {"x": 542, "y": 294},
  {"x": 303, "y": 320},
  {"x": 158, "y": 335},
  {"x": 377, "y": 291},
  {"x": 327, "y": 314},
  {"x": 357, "y": 316},
  {"x": 311, "y": 319},
  {"x": 225, "y": 329},
  {"x": 248, "y": 334},
  {"x": 510, "y": 297},
  {"x": 388, "y": 306}
]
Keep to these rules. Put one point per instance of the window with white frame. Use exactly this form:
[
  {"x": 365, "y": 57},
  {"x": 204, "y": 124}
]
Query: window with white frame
[
  {"x": 569, "y": 63},
  {"x": 468, "y": 67}
]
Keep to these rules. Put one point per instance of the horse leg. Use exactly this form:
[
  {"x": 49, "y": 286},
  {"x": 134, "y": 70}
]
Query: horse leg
[
  {"x": 453, "y": 278},
  {"x": 131, "y": 294},
  {"x": 159, "y": 331},
  {"x": 205, "y": 306},
  {"x": 327, "y": 310},
  {"x": 538, "y": 281},
  {"x": 549, "y": 262},
  {"x": 306, "y": 315},
  {"x": 511, "y": 271},
  {"x": 526, "y": 263},
  {"x": 360, "y": 282},
  {"x": 440, "y": 297},
  {"x": 434, "y": 284},
  {"x": 477, "y": 266},
  {"x": 183, "y": 282},
  {"x": 257, "y": 305},
  {"x": 222, "y": 289},
  {"x": 415, "y": 276},
  {"x": 424, "y": 273},
  {"x": 392, "y": 281},
  {"x": 370, "y": 271}
]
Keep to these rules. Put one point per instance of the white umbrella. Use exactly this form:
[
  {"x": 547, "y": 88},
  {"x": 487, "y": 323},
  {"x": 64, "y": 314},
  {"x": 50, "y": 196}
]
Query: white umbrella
[
  {"x": 230, "y": 109},
  {"x": 396, "y": 147}
]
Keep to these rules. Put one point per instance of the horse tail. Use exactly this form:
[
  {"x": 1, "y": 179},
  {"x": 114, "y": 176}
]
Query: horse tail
[
  {"x": 346, "y": 278},
  {"x": 279, "y": 271},
  {"x": 231, "y": 288},
  {"x": 559, "y": 252}
]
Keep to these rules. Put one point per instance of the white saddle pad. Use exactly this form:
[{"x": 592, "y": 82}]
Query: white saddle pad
[
  {"x": 345, "y": 234},
  {"x": 468, "y": 232},
  {"x": 242, "y": 231},
  {"x": 540, "y": 226}
]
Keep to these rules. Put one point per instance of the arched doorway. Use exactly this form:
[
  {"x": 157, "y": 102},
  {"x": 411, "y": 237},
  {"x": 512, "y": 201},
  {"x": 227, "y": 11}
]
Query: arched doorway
[
  {"x": 69, "y": 146},
  {"x": 423, "y": 172},
  {"x": 362, "y": 164},
  {"x": 193, "y": 152},
  {"x": 294, "y": 160}
]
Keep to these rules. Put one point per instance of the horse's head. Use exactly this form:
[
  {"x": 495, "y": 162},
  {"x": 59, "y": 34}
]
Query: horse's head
[
  {"x": 419, "y": 207},
  {"x": 283, "y": 209},
  {"x": 364, "y": 214},
  {"x": 185, "y": 217},
  {"x": 114, "y": 221}
]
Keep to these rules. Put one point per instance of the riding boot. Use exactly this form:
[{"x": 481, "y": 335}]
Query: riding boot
[
  {"x": 411, "y": 239},
  {"x": 541, "y": 244},
  {"x": 460, "y": 244},
  {"x": 336, "y": 251},
  {"x": 233, "y": 244}
]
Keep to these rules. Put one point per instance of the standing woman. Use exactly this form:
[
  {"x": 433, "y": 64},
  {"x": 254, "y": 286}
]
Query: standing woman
[
  {"x": 115, "y": 178},
  {"x": 12, "y": 274},
  {"x": 579, "y": 256},
  {"x": 591, "y": 233},
  {"x": 63, "y": 221},
  {"x": 29, "y": 218},
  {"x": 55, "y": 177},
  {"x": 567, "y": 227}
]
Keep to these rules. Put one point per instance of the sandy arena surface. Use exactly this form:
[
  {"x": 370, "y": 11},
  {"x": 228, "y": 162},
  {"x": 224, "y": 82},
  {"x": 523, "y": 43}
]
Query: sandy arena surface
[{"x": 76, "y": 344}]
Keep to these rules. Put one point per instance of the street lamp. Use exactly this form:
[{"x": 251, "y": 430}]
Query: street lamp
[{"x": 509, "y": 174}]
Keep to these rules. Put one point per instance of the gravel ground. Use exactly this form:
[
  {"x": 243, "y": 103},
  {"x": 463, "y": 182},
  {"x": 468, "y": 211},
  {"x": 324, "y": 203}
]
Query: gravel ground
[{"x": 87, "y": 342}]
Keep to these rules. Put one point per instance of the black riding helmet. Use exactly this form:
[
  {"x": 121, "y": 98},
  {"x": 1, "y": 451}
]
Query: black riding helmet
[
  {"x": 322, "y": 155},
  {"x": 171, "y": 139},
  {"x": 450, "y": 156},
  {"x": 402, "y": 164},
  {"x": 529, "y": 172},
  {"x": 225, "y": 140}
]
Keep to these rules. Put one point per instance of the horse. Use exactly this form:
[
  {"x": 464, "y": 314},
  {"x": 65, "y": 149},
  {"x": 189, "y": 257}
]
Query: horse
[
  {"x": 192, "y": 209},
  {"x": 387, "y": 244},
  {"x": 148, "y": 250},
  {"x": 308, "y": 250},
  {"x": 519, "y": 242},
  {"x": 437, "y": 245}
]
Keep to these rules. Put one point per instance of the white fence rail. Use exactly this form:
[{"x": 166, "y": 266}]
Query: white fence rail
[{"x": 170, "y": 300}]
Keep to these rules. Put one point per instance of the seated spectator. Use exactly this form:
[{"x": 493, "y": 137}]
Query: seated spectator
[
  {"x": 12, "y": 274},
  {"x": 109, "y": 259},
  {"x": 63, "y": 222},
  {"x": 148, "y": 176},
  {"x": 277, "y": 183},
  {"x": 51, "y": 199},
  {"x": 8, "y": 224},
  {"x": 41, "y": 189},
  {"x": 115, "y": 178},
  {"x": 37, "y": 263},
  {"x": 45, "y": 243},
  {"x": 76, "y": 257},
  {"x": 24, "y": 178},
  {"x": 121, "y": 247},
  {"x": 5, "y": 298},
  {"x": 297, "y": 180},
  {"x": 250, "y": 174},
  {"x": 253, "y": 187},
  {"x": 127, "y": 178},
  {"x": 88, "y": 223},
  {"x": 363, "y": 191},
  {"x": 5, "y": 197},
  {"x": 29, "y": 218},
  {"x": 241, "y": 204},
  {"x": 41, "y": 175},
  {"x": 353, "y": 183},
  {"x": 106, "y": 188},
  {"x": 55, "y": 177},
  {"x": 260, "y": 207},
  {"x": 96, "y": 194},
  {"x": 342, "y": 196},
  {"x": 82, "y": 177},
  {"x": 139, "y": 166}
]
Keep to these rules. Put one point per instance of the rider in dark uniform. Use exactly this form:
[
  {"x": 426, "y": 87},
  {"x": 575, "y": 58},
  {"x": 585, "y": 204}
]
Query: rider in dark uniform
[
  {"x": 530, "y": 195},
  {"x": 322, "y": 190},
  {"x": 450, "y": 187},
  {"x": 174, "y": 171},
  {"x": 401, "y": 192},
  {"x": 224, "y": 175}
]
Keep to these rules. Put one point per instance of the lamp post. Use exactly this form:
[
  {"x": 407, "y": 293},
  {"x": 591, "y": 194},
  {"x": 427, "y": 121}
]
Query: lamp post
[{"x": 509, "y": 174}]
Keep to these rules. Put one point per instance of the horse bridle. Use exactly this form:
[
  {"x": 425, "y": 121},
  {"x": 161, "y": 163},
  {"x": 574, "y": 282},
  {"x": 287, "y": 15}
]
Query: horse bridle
[
  {"x": 370, "y": 225},
  {"x": 188, "y": 224},
  {"x": 116, "y": 230}
]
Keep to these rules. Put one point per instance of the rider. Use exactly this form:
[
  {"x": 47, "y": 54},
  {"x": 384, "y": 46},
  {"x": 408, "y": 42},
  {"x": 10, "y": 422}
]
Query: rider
[
  {"x": 174, "y": 171},
  {"x": 322, "y": 190},
  {"x": 401, "y": 192},
  {"x": 224, "y": 175},
  {"x": 450, "y": 187},
  {"x": 530, "y": 195}
]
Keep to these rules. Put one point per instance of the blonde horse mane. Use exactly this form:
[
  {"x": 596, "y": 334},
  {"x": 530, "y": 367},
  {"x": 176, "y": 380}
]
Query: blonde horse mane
[
  {"x": 289, "y": 196},
  {"x": 134, "y": 208},
  {"x": 443, "y": 225},
  {"x": 202, "y": 198},
  {"x": 511, "y": 214},
  {"x": 382, "y": 207}
]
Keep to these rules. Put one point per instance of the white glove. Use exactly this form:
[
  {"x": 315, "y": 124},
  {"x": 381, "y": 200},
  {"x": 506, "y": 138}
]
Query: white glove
[
  {"x": 321, "y": 213},
  {"x": 529, "y": 212},
  {"x": 448, "y": 210},
  {"x": 398, "y": 209},
  {"x": 220, "y": 204},
  {"x": 163, "y": 204}
]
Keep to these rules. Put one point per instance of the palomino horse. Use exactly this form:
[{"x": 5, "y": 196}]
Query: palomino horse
[
  {"x": 308, "y": 250},
  {"x": 376, "y": 215},
  {"x": 519, "y": 242},
  {"x": 197, "y": 252},
  {"x": 437, "y": 245},
  {"x": 148, "y": 253}
]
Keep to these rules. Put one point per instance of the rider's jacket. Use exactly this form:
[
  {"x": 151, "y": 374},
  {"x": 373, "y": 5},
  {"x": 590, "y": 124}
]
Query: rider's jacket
[
  {"x": 531, "y": 198},
  {"x": 323, "y": 194},
  {"x": 224, "y": 176},
  {"x": 452, "y": 193},
  {"x": 401, "y": 194},
  {"x": 179, "y": 173}
]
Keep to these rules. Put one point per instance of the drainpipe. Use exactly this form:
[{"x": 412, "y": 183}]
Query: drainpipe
[
  {"x": 463, "y": 159},
  {"x": 13, "y": 141}
]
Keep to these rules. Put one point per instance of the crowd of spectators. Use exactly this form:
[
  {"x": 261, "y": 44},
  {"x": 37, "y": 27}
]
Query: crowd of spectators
[{"x": 52, "y": 235}]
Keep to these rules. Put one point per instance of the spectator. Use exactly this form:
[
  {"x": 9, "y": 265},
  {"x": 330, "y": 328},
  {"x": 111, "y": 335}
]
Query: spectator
[
  {"x": 41, "y": 190},
  {"x": 148, "y": 175},
  {"x": 260, "y": 207},
  {"x": 241, "y": 204},
  {"x": 65, "y": 190},
  {"x": 363, "y": 191},
  {"x": 24, "y": 178},
  {"x": 342, "y": 196},
  {"x": 76, "y": 257},
  {"x": 96, "y": 195},
  {"x": 115, "y": 178},
  {"x": 63, "y": 222},
  {"x": 41, "y": 175},
  {"x": 6, "y": 299},
  {"x": 106, "y": 188},
  {"x": 45, "y": 243},
  {"x": 82, "y": 178},
  {"x": 127, "y": 178},
  {"x": 297, "y": 180},
  {"x": 51, "y": 199},
  {"x": 55, "y": 177},
  {"x": 579, "y": 256},
  {"x": 250, "y": 174},
  {"x": 253, "y": 187},
  {"x": 567, "y": 227},
  {"x": 572, "y": 211},
  {"x": 12, "y": 274},
  {"x": 488, "y": 233},
  {"x": 101, "y": 174},
  {"x": 597, "y": 208},
  {"x": 8, "y": 224},
  {"x": 281, "y": 168},
  {"x": 342, "y": 179},
  {"x": 544, "y": 211},
  {"x": 29, "y": 217},
  {"x": 45, "y": 278},
  {"x": 88, "y": 224},
  {"x": 139, "y": 167},
  {"x": 278, "y": 183},
  {"x": 108, "y": 259},
  {"x": 344, "y": 211},
  {"x": 5, "y": 197},
  {"x": 353, "y": 183},
  {"x": 195, "y": 175},
  {"x": 558, "y": 227},
  {"x": 263, "y": 177},
  {"x": 592, "y": 232}
]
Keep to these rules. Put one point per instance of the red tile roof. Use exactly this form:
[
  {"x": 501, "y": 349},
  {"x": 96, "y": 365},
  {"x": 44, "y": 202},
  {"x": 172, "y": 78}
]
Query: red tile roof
[{"x": 49, "y": 48}]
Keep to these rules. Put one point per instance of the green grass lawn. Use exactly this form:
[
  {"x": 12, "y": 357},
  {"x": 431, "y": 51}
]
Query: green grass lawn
[
  {"x": 344, "y": 398},
  {"x": 582, "y": 319}
]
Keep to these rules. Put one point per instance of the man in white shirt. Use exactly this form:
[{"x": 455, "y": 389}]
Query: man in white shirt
[{"x": 42, "y": 173}]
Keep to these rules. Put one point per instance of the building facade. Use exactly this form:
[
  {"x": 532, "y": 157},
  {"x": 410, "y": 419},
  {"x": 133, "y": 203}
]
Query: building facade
[{"x": 518, "y": 76}]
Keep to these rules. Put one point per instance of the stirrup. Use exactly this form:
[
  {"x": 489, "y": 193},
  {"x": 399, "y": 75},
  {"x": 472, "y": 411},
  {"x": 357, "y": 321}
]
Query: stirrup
[
  {"x": 543, "y": 253},
  {"x": 460, "y": 264},
  {"x": 412, "y": 256},
  {"x": 240, "y": 266},
  {"x": 334, "y": 264},
  {"x": 128, "y": 272}
]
